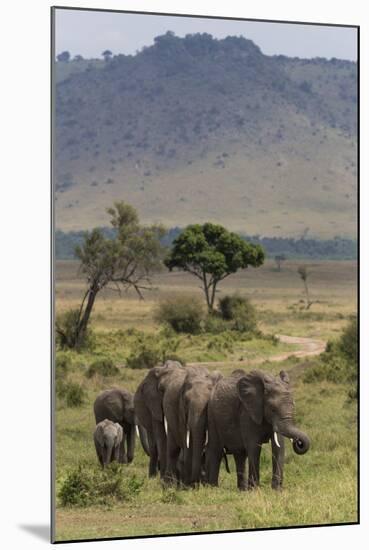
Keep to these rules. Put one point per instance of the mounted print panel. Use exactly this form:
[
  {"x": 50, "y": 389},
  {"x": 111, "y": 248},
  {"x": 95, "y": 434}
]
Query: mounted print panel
[{"x": 205, "y": 186}]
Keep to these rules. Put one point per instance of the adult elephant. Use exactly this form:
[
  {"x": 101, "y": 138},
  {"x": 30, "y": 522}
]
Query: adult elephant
[
  {"x": 148, "y": 405},
  {"x": 175, "y": 422},
  {"x": 246, "y": 410},
  {"x": 117, "y": 405},
  {"x": 192, "y": 421}
]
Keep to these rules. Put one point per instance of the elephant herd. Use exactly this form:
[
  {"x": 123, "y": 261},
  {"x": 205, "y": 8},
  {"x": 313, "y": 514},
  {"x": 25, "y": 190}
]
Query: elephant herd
[{"x": 189, "y": 419}]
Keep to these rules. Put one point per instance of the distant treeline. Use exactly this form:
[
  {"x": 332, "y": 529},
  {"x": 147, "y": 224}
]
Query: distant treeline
[{"x": 330, "y": 249}]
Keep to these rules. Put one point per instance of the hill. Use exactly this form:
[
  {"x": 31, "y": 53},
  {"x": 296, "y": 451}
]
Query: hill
[{"x": 194, "y": 129}]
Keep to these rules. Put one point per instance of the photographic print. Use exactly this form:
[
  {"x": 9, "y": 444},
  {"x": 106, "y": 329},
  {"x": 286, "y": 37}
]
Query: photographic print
[{"x": 205, "y": 188}]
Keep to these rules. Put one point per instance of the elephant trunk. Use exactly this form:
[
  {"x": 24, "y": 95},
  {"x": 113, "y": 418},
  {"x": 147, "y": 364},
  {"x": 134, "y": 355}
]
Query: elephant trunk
[
  {"x": 198, "y": 438},
  {"x": 144, "y": 440},
  {"x": 108, "y": 451},
  {"x": 300, "y": 441}
]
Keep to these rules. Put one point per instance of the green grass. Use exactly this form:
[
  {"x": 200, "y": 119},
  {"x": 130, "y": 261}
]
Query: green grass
[
  {"x": 319, "y": 487},
  {"x": 229, "y": 346}
]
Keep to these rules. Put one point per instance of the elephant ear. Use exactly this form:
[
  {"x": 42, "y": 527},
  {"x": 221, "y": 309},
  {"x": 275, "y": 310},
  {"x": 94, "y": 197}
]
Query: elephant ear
[
  {"x": 251, "y": 392},
  {"x": 99, "y": 434},
  {"x": 119, "y": 433},
  {"x": 284, "y": 377}
]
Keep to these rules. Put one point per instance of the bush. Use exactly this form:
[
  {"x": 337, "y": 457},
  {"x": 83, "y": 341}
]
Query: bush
[
  {"x": 146, "y": 359},
  {"x": 222, "y": 342},
  {"x": 348, "y": 342},
  {"x": 240, "y": 311},
  {"x": 63, "y": 364},
  {"x": 182, "y": 313},
  {"x": 85, "y": 486},
  {"x": 329, "y": 367},
  {"x": 214, "y": 324},
  {"x": 104, "y": 367},
  {"x": 338, "y": 363},
  {"x": 66, "y": 331},
  {"x": 72, "y": 393}
]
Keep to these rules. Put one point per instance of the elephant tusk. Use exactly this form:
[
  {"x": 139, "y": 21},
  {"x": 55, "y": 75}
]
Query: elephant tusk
[
  {"x": 165, "y": 425},
  {"x": 137, "y": 431},
  {"x": 206, "y": 437},
  {"x": 276, "y": 439},
  {"x": 291, "y": 439},
  {"x": 188, "y": 439}
]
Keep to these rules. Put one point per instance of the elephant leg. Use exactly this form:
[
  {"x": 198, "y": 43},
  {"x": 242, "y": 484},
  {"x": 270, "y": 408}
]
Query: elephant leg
[
  {"x": 153, "y": 463},
  {"x": 171, "y": 474},
  {"x": 278, "y": 463},
  {"x": 253, "y": 453},
  {"x": 240, "y": 461},
  {"x": 99, "y": 454},
  {"x": 122, "y": 450},
  {"x": 161, "y": 445},
  {"x": 116, "y": 453},
  {"x": 131, "y": 440},
  {"x": 181, "y": 466},
  {"x": 187, "y": 456},
  {"x": 213, "y": 459}
]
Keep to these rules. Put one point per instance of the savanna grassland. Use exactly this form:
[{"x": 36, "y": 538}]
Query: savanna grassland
[{"x": 319, "y": 488}]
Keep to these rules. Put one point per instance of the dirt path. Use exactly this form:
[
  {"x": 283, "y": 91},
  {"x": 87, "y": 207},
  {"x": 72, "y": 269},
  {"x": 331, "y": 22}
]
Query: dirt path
[{"x": 307, "y": 348}]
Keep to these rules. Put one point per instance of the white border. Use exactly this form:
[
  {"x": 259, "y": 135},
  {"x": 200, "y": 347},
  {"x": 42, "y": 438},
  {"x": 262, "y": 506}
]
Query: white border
[{"x": 25, "y": 284}]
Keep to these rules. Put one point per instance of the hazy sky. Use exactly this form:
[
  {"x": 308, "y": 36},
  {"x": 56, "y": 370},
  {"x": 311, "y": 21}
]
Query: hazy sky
[{"x": 89, "y": 33}]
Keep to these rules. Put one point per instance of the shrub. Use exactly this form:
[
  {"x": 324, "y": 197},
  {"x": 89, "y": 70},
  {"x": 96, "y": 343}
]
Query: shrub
[
  {"x": 338, "y": 363},
  {"x": 86, "y": 486},
  {"x": 214, "y": 324},
  {"x": 72, "y": 393},
  {"x": 75, "y": 395},
  {"x": 63, "y": 364},
  {"x": 104, "y": 367},
  {"x": 66, "y": 331},
  {"x": 329, "y": 367},
  {"x": 240, "y": 311},
  {"x": 182, "y": 313},
  {"x": 348, "y": 342},
  {"x": 66, "y": 327},
  {"x": 146, "y": 359}
]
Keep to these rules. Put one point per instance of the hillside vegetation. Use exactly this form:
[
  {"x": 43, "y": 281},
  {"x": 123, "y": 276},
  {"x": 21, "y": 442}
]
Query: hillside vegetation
[{"x": 196, "y": 128}]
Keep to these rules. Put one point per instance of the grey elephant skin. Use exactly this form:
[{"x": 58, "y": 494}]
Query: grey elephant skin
[
  {"x": 148, "y": 404},
  {"x": 246, "y": 410},
  {"x": 116, "y": 404},
  {"x": 185, "y": 408},
  {"x": 108, "y": 437}
]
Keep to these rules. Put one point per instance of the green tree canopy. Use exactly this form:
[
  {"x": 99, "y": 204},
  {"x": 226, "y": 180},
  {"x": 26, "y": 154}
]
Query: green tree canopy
[
  {"x": 107, "y": 54},
  {"x": 211, "y": 253},
  {"x": 63, "y": 56}
]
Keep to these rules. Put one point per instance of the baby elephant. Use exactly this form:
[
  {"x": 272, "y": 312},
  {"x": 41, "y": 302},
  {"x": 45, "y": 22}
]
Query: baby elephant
[{"x": 108, "y": 437}]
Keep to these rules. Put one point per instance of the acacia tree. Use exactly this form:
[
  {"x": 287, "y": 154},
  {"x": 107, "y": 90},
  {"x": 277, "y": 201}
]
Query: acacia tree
[
  {"x": 303, "y": 272},
  {"x": 63, "y": 56},
  {"x": 211, "y": 253},
  {"x": 125, "y": 261},
  {"x": 107, "y": 55}
]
